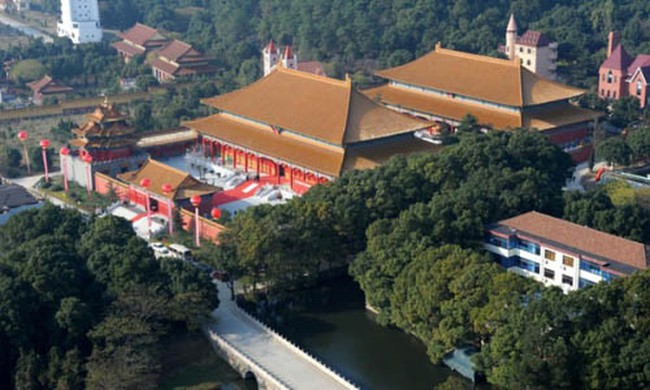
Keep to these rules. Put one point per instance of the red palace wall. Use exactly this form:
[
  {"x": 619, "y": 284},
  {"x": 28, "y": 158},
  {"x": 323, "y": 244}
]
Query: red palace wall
[
  {"x": 577, "y": 135},
  {"x": 109, "y": 155},
  {"x": 209, "y": 229}
]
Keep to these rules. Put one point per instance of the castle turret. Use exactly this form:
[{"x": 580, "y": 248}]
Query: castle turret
[
  {"x": 289, "y": 59},
  {"x": 270, "y": 57},
  {"x": 511, "y": 37}
]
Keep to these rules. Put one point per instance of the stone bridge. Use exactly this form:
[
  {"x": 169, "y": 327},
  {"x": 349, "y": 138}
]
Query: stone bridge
[{"x": 255, "y": 350}]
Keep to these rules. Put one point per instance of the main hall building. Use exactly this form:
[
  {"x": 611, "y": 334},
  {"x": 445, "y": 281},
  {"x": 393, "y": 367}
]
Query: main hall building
[
  {"x": 301, "y": 129},
  {"x": 445, "y": 85}
]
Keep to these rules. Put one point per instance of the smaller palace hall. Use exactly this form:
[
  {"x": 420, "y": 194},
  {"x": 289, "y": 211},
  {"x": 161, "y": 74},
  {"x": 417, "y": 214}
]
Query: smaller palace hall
[{"x": 445, "y": 85}]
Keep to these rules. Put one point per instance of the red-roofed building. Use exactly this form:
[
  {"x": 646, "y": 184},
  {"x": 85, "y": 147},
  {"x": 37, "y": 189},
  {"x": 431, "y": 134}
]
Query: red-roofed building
[
  {"x": 561, "y": 253},
  {"x": 621, "y": 75},
  {"x": 48, "y": 87},
  {"x": 179, "y": 59},
  {"x": 534, "y": 49},
  {"x": 139, "y": 40}
]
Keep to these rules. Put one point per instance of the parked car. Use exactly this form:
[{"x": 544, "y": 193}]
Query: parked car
[{"x": 157, "y": 246}]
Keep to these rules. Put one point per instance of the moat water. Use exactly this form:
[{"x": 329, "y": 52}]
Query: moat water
[{"x": 332, "y": 323}]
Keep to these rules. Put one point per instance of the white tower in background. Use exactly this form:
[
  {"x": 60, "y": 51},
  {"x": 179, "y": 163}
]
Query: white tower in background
[
  {"x": 511, "y": 37},
  {"x": 270, "y": 57},
  {"x": 80, "y": 21}
]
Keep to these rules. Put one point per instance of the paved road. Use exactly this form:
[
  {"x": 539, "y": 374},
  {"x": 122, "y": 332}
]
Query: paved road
[
  {"x": 264, "y": 349},
  {"x": 25, "y": 29}
]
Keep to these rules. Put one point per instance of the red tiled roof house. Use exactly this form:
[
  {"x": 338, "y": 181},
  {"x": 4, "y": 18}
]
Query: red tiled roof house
[
  {"x": 139, "y": 40},
  {"x": 47, "y": 87},
  {"x": 179, "y": 59}
]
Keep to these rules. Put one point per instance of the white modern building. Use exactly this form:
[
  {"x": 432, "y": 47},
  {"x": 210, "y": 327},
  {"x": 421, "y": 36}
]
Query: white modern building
[
  {"x": 561, "y": 253},
  {"x": 80, "y": 21}
]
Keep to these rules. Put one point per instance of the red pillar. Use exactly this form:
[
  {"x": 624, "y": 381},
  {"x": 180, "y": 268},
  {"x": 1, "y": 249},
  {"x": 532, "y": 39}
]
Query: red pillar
[
  {"x": 246, "y": 162},
  {"x": 212, "y": 151},
  {"x": 234, "y": 158},
  {"x": 277, "y": 173},
  {"x": 257, "y": 165},
  {"x": 291, "y": 182}
]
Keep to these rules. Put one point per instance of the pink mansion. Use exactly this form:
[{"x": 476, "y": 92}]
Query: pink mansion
[{"x": 621, "y": 75}]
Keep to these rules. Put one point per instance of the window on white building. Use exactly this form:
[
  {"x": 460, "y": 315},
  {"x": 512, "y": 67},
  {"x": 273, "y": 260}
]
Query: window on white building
[
  {"x": 549, "y": 255},
  {"x": 567, "y": 280},
  {"x": 567, "y": 260},
  {"x": 549, "y": 273}
]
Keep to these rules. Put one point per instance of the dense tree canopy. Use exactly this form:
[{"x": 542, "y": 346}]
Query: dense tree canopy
[{"x": 84, "y": 303}]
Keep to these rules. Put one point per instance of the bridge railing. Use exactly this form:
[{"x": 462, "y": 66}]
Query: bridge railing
[
  {"x": 296, "y": 349},
  {"x": 276, "y": 382}
]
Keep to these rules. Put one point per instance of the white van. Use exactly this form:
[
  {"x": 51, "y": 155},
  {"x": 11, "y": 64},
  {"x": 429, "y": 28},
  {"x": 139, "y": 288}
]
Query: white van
[{"x": 180, "y": 251}]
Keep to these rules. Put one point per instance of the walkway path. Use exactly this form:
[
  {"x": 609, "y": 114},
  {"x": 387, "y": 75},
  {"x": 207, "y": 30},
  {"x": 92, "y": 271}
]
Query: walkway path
[
  {"x": 25, "y": 29},
  {"x": 269, "y": 350}
]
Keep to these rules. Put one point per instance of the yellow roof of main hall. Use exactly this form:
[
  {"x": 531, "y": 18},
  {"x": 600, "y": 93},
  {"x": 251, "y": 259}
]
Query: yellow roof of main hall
[
  {"x": 480, "y": 77},
  {"x": 317, "y": 107}
]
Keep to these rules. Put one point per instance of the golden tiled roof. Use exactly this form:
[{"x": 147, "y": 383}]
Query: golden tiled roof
[
  {"x": 566, "y": 114},
  {"x": 183, "y": 184},
  {"x": 480, "y": 77},
  {"x": 106, "y": 128},
  {"x": 444, "y": 107},
  {"x": 319, "y": 157},
  {"x": 317, "y": 107},
  {"x": 106, "y": 112},
  {"x": 370, "y": 156}
]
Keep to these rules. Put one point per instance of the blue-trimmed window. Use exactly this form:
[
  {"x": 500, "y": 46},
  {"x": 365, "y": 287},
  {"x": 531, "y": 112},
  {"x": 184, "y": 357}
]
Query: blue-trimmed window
[
  {"x": 595, "y": 269},
  {"x": 528, "y": 265},
  {"x": 500, "y": 242},
  {"x": 506, "y": 262},
  {"x": 590, "y": 267},
  {"x": 582, "y": 283},
  {"x": 528, "y": 246}
]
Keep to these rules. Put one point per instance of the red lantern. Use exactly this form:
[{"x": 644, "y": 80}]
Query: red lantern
[
  {"x": 88, "y": 158},
  {"x": 22, "y": 135},
  {"x": 195, "y": 200},
  {"x": 145, "y": 183},
  {"x": 216, "y": 213},
  {"x": 45, "y": 143},
  {"x": 64, "y": 151},
  {"x": 167, "y": 188}
]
